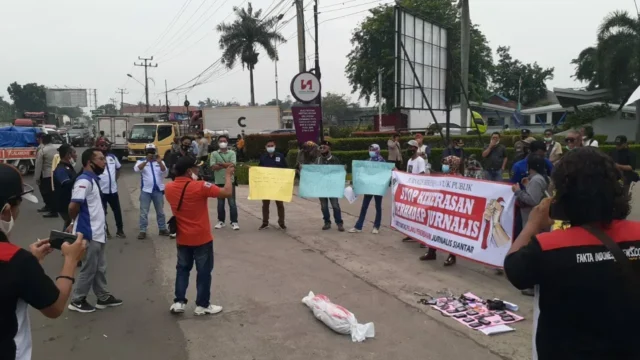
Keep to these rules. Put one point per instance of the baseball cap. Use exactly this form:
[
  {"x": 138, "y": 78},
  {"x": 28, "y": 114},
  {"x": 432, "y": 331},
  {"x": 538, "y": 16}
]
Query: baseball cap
[
  {"x": 412, "y": 143},
  {"x": 326, "y": 143},
  {"x": 149, "y": 147},
  {"x": 525, "y": 132},
  {"x": 103, "y": 142},
  {"x": 12, "y": 186},
  {"x": 185, "y": 163},
  {"x": 620, "y": 139}
]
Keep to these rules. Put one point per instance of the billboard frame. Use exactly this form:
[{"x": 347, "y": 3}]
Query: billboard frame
[{"x": 74, "y": 101}]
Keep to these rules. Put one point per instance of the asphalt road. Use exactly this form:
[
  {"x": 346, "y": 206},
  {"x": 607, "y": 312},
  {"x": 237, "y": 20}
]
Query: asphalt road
[{"x": 140, "y": 329}]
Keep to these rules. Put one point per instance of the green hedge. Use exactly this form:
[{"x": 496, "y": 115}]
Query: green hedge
[
  {"x": 436, "y": 154},
  {"x": 470, "y": 141},
  {"x": 254, "y": 144}
]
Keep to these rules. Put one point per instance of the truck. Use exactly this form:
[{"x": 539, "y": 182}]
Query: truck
[
  {"x": 241, "y": 119},
  {"x": 161, "y": 134},
  {"x": 117, "y": 129},
  {"x": 18, "y": 146}
]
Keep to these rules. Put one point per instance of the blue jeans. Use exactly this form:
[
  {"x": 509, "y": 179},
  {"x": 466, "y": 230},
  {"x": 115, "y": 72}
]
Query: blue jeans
[
  {"x": 494, "y": 175},
  {"x": 363, "y": 211},
  {"x": 233, "y": 209},
  {"x": 203, "y": 257},
  {"x": 337, "y": 214},
  {"x": 157, "y": 197}
]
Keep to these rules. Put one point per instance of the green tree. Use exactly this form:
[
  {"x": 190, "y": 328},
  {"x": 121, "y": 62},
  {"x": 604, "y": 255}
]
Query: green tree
[
  {"x": 337, "y": 107},
  {"x": 7, "y": 111},
  {"x": 240, "y": 39},
  {"x": 284, "y": 104},
  {"x": 508, "y": 73},
  {"x": 108, "y": 108},
  {"x": 28, "y": 97},
  {"x": 374, "y": 48}
]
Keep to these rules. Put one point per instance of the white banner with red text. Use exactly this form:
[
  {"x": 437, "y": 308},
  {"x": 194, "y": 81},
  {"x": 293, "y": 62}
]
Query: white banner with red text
[{"x": 463, "y": 216}]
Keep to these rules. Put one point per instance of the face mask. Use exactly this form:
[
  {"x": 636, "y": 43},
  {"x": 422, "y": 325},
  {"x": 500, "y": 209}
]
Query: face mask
[
  {"x": 194, "y": 177},
  {"x": 186, "y": 147},
  {"x": 411, "y": 152},
  {"x": 222, "y": 145},
  {"x": 6, "y": 226},
  {"x": 457, "y": 147},
  {"x": 96, "y": 169},
  {"x": 271, "y": 149},
  {"x": 548, "y": 139},
  {"x": 372, "y": 154},
  {"x": 445, "y": 168}
]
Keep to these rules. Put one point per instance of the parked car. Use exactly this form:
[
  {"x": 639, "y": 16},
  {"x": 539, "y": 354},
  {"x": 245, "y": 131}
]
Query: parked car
[{"x": 80, "y": 137}]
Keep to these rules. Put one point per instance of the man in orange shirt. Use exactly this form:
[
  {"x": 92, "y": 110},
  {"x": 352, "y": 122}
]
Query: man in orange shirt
[{"x": 188, "y": 198}]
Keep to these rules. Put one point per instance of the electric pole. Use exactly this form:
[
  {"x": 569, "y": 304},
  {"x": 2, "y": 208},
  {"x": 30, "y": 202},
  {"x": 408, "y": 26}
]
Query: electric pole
[
  {"x": 95, "y": 98},
  {"x": 146, "y": 64},
  {"x": 465, "y": 42},
  {"x": 122, "y": 92},
  {"x": 166, "y": 97},
  {"x": 317, "y": 65},
  {"x": 302, "y": 51}
]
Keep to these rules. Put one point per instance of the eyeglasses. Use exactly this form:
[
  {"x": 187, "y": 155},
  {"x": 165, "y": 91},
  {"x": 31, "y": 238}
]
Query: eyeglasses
[{"x": 569, "y": 140}]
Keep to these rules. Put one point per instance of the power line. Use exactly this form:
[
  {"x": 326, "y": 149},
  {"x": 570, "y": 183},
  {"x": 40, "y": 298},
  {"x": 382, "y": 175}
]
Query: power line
[
  {"x": 349, "y": 7},
  {"x": 171, "y": 40},
  {"x": 338, "y": 4},
  {"x": 171, "y": 23}
]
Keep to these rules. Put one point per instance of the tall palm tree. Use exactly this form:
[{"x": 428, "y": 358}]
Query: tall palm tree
[
  {"x": 614, "y": 63},
  {"x": 240, "y": 39}
]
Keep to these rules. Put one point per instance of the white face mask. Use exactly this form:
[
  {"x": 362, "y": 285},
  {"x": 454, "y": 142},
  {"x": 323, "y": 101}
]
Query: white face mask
[
  {"x": 72, "y": 162},
  {"x": 6, "y": 226},
  {"x": 222, "y": 145},
  {"x": 194, "y": 176}
]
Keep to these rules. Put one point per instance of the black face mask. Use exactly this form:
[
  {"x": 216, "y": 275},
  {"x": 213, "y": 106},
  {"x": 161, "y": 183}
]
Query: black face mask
[
  {"x": 96, "y": 169},
  {"x": 411, "y": 152},
  {"x": 185, "y": 147}
]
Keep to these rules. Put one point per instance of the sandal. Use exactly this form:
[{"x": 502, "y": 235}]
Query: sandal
[{"x": 451, "y": 260}]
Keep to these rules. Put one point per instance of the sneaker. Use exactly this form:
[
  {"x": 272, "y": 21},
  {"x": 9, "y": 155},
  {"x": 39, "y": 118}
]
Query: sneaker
[
  {"x": 326, "y": 226},
  {"x": 44, "y": 210},
  {"x": 50, "y": 215},
  {"x": 340, "y": 227},
  {"x": 210, "y": 310},
  {"x": 120, "y": 234},
  {"x": 177, "y": 308},
  {"x": 142, "y": 235},
  {"x": 430, "y": 255},
  {"x": 172, "y": 236},
  {"x": 354, "y": 230},
  {"x": 219, "y": 225},
  {"x": 81, "y": 306},
  {"x": 263, "y": 227},
  {"x": 164, "y": 232},
  {"x": 283, "y": 227},
  {"x": 235, "y": 226},
  {"x": 375, "y": 231},
  {"x": 111, "y": 301}
]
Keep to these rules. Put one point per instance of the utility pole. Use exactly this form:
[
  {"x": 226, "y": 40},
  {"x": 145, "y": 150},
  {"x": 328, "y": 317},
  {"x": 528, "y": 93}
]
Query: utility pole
[
  {"x": 95, "y": 98},
  {"x": 166, "y": 97},
  {"x": 146, "y": 64},
  {"x": 317, "y": 65},
  {"x": 89, "y": 95},
  {"x": 380, "y": 99},
  {"x": 465, "y": 27},
  {"x": 113, "y": 102},
  {"x": 302, "y": 51},
  {"x": 122, "y": 92}
]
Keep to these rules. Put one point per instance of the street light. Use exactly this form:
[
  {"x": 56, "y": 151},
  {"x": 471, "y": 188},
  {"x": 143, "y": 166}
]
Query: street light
[{"x": 131, "y": 76}]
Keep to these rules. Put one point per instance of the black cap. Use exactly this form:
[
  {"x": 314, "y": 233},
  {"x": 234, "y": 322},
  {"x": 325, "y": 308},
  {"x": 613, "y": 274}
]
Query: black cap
[
  {"x": 185, "y": 163},
  {"x": 620, "y": 139},
  {"x": 326, "y": 143},
  {"x": 525, "y": 131},
  {"x": 12, "y": 186}
]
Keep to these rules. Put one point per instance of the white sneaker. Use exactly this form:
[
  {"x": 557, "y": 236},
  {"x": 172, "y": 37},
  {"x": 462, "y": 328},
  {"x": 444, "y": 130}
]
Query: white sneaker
[
  {"x": 211, "y": 310},
  {"x": 375, "y": 231},
  {"x": 235, "y": 226},
  {"x": 354, "y": 230},
  {"x": 177, "y": 308},
  {"x": 172, "y": 236},
  {"x": 219, "y": 225}
]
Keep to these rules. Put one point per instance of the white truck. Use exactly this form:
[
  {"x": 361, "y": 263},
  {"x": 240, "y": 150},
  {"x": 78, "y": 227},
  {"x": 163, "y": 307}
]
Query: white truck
[
  {"x": 116, "y": 129},
  {"x": 241, "y": 119}
]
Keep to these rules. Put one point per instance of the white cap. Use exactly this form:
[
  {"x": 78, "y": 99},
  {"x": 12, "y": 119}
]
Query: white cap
[
  {"x": 150, "y": 147},
  {"x": 412, "y": 143}
]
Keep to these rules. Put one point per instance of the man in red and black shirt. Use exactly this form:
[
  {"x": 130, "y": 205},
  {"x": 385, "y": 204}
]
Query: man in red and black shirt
[
  {"x": 585, "y": 305},
  {"x": 22, "y": 279}
]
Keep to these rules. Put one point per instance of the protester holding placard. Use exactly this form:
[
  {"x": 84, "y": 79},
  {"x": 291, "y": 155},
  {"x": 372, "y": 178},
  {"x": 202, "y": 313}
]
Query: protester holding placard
[
  {"x": 272, "y": 159},
  {"x": 450, "y": 167},
  {"x": 374, "y": 155},
  {"x": 326, "y": 158},
  {"x": 585, "y": 277},
  {"x": 415, "y": 165}
]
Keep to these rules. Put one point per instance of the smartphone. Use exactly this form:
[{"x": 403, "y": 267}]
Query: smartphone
[
  {"x": 484, "y": 322},
  {"x": 475, "y": 325},
  {"x": 468, "y": 320},
  {"x": 472, "y": 312},
  {"x": 57, "y": 238},
  {"x": 459, "y": 315},
  {"x": 507, "y": 318}
]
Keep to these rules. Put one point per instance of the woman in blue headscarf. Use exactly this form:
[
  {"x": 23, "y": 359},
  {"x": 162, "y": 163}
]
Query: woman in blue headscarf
[{"x": 374, "y": 155}]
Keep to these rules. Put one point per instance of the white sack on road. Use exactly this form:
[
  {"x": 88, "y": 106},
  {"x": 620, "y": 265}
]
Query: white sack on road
[{"x": 338, "y": 318}]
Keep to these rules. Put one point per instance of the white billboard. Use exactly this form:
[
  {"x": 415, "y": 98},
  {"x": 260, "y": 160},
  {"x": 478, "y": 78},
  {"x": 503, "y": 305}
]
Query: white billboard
[
  {"x": 425, "y": 58},
  {"x": 67, "y": 97}
]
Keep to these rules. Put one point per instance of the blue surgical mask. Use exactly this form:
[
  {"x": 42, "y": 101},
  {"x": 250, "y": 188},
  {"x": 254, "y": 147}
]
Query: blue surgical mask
[
  {"x": 372, "y": 154},
  {"x": 271, "y": 149},
  {"x": 445, "y": 168}
]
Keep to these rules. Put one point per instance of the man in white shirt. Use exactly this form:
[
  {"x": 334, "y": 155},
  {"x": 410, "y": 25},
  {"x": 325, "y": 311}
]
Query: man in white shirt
[
  {"x": 109, "y": 186},
  {"x": 152, "y": 172},
  {"x": 415, "y": 165},
  {"x": 88, "y": 214}
]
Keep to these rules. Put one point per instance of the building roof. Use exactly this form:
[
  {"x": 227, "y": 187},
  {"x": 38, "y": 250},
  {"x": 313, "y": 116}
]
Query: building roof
[
  {"x": 140, "y": 109},
  {"x": 573, "y": 97}
]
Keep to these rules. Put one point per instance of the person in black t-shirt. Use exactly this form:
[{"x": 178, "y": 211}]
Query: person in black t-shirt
[
  {"x": 586, "y": 306},
  {"x": 625, "y": 162},
  {"x": 22, "y": 279}
]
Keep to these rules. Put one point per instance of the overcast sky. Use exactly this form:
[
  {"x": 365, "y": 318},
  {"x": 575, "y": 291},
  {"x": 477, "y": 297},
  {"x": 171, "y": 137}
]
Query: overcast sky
[{"x": 93, "y": 44}]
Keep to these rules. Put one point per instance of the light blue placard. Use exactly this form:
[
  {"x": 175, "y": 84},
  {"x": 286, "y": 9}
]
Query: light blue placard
[
  {"x": 322, "y": 181},
  {"x": 371, "y": 177}
]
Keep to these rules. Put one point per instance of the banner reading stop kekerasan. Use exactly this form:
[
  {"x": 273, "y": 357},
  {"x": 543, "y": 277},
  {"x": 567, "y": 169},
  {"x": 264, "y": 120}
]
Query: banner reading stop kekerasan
[{"x": 463, "y": 216}]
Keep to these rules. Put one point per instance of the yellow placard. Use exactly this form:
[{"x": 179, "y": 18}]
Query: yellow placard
[{"x": 271, "y": 183}]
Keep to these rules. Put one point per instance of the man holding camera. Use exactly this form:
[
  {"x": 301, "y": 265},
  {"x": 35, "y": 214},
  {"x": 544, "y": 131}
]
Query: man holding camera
[{"x": 152, "y": 172}]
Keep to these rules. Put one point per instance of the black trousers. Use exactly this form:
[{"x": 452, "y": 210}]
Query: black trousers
[
  {"x": 114, "y": 202},
  {"x": 65, "y": 217},
  {"x": 47, "y": 193}
]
